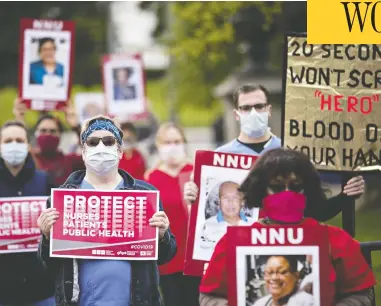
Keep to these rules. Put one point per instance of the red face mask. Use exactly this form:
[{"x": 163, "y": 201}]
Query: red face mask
[
  {"x": 286, "y": 206},
  {"x": 48, "y": 143}
]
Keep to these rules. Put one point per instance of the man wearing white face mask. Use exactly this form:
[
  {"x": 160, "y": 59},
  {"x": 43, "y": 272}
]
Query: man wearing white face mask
[
  {"x": 22, "y": 279},
  {"x": 252, "y": 110},
  {"x": 105, "y": 282}
]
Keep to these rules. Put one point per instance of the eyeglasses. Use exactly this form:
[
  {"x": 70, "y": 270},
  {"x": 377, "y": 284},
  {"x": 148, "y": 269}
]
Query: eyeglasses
[
  {"x": 296, "y": 187},
  {"x": 258, "y": 107},
  {"x": 279, "y": 273},
  {"x": 108, "y": 141}
]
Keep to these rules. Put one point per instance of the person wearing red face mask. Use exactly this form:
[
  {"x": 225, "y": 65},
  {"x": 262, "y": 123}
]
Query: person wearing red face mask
[
  {"x": 287, "y": 187},
  {"x": 47, "y": 156}
]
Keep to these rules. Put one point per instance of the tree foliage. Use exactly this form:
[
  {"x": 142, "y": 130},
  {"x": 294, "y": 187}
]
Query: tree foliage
[{"x": 204, "y": 46}]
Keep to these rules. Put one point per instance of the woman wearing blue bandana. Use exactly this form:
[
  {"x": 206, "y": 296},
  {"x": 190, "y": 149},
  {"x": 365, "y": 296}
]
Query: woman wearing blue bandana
[{"x": 105, "y": 282}]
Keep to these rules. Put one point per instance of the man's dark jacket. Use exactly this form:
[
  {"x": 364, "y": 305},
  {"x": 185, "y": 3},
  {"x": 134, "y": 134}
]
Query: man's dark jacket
[
  {"x": 22, "y": 280},
  {"x": 144, "y": 274}
]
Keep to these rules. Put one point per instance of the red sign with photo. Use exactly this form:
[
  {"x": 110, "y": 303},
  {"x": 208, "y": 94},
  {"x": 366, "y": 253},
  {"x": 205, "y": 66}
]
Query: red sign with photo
[
  {"x": 124, "y": 85},
  {"x": 207, "y": 225},
  {"x": 105, "y": 224},
  {"x": 268, "y": 263},
  {"x": 19, "y": 231},
  {"x": 46, "y": 63}
]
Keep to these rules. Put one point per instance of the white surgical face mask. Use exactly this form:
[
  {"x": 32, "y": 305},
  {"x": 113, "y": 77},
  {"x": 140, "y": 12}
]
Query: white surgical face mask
[
  {"x": 127, "y": 145},
  {"x": 172, "y": 153},
  {"x": 102, "y": 159},
  {"x": 14, "y": 153},
  {"x": 254, "y": 124}
]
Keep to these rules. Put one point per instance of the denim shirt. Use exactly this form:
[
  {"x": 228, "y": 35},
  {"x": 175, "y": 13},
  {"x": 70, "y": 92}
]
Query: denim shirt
[{"x": 104, "y": 282}]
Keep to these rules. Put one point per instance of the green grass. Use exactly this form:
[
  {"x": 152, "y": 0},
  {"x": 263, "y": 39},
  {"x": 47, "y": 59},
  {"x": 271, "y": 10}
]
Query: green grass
[
  {"x": 188, "y": 115},
  {"x": 368, "y": 229}
]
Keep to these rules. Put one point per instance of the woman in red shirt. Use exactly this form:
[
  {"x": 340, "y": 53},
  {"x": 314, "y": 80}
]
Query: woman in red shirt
[
  {"x": 285, "y": 184},
  {"x": 169, "y": 176}
]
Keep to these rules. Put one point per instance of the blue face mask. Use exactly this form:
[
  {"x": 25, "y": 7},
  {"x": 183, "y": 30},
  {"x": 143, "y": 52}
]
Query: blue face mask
[{"x": 254, "y": 124}]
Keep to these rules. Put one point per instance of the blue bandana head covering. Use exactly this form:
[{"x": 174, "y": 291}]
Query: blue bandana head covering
[{"x": 102, "y": 125}]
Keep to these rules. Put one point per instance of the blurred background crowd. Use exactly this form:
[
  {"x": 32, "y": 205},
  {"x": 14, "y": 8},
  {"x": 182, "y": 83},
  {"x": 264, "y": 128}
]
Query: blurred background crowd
[{"x": 195, "y": 55}]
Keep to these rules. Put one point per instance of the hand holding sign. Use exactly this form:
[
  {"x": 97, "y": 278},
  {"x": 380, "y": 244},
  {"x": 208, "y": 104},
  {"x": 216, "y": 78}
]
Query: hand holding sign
[
  {"x": 190, "y": 192},
  {"x": 160, "y": 220},
  {"x": 355, "y": 186},
  {"x": 47, "y": 220}
]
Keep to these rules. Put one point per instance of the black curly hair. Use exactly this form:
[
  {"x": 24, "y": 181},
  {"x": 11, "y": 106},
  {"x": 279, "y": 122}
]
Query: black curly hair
[{"x": 283, "y": 162}]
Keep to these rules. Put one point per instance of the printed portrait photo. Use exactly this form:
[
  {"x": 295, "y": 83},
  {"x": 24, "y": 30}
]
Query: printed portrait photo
[
  {"x": 124, "y": 86},
  {"x": 46, "y": 64},
  {"x": 89, "y": 105},
  {"x": 278, "y": 275},
  {"x": 123, "y": 89},
  {"x": 220, "y": 205}
]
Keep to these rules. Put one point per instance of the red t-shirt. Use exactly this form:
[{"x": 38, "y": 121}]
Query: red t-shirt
[
  {"x": 58, "y": 165},
  {"x": 171, "y": 195},
  {"x": 134, "y": 165},
  {"x": 349, "y": 271}
]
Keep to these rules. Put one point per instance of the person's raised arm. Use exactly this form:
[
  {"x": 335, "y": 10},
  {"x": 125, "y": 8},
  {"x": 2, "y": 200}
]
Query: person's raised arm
[
  {"x": 354, "y": 188},
  {"x": 19, "y": 110}
]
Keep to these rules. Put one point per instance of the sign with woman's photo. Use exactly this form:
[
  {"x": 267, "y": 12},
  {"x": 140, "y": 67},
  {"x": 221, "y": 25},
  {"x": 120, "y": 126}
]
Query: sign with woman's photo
[
  {"x": 219, "y": 204},
  {"x": 273, "y": 265},
  {"x": 89, "y": 104},
  {"x": 124, "y": 85},
  {"x": 46, "y": 63}
]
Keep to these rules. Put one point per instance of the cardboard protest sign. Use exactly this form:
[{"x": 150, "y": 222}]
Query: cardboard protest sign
[
  {"x": 332, "y": 103},
  {"x": 218, "y": 175},
  {"x": 124, "y": 86},
  {"x": 19, "y": 231},
  {"x": 104, "y": 224},
  {"x": 266, "y": 263},
  {"x": 46, "y": 63}
]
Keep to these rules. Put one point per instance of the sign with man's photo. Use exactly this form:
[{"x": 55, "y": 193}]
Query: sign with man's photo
[
  {"x": 219, "y": 204},
  {"x": 104, "y": 224},
  {"x": 268, "y": 265},
  {"x": 19, "y": 231},
  {"x": 46, "y": 61},
  {"x": 124, "y": 85}
]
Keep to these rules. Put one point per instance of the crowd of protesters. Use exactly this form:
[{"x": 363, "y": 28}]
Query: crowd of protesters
[{"x": 109, "y": 160}]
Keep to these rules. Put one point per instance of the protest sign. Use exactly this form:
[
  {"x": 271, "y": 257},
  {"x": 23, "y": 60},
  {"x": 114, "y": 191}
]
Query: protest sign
[
  {"x": 19, "y": 231},
  {"x": 297, "y": 254},
  {"x": 46, "y": 63},
  {"x": 332, "y": 103},
  {"x": 89, "y": 105},
  {"x": 218, "y": 175},
  {"x": 124, "y": 86},
  {"x": 105, "y": 224}
]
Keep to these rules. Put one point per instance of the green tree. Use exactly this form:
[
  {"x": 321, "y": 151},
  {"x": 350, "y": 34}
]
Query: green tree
[{"x": 203, "y": 44}]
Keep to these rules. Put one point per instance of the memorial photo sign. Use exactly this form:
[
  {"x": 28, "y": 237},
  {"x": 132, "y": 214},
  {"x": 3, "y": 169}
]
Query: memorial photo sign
[
  {"x": 218, "y": 176},
  {"x": 266, "y": 264}
]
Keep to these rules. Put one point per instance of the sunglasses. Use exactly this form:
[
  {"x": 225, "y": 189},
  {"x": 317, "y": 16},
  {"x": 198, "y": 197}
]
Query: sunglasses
[
  {"x": 248, "y": 108},
  {"x": 296, "y": 187},
  {"x": 108, "y": 141}
]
